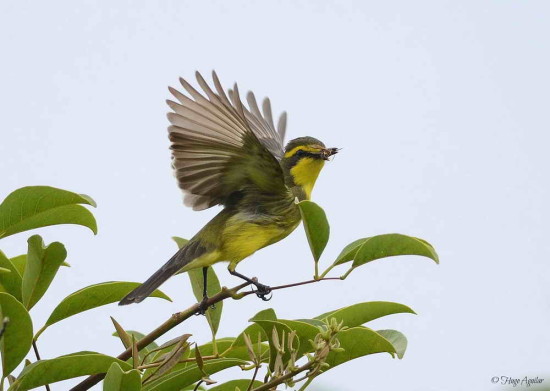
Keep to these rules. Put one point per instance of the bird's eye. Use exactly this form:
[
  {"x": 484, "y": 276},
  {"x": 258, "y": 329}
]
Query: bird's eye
[{"x": 299, "y": 152}]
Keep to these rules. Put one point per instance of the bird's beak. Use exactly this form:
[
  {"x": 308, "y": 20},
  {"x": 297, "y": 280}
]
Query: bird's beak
[{"x": 328, "y": 152}]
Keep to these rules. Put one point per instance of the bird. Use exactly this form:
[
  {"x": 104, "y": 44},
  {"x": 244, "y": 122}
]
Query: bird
[{"x": 224, "y": 153}]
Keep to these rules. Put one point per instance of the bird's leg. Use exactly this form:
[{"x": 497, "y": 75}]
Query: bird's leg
[
  {"x": 202, "y": 306},
  {"x": 262, "y": 291}
]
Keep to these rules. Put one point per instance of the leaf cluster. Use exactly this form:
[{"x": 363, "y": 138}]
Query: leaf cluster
[{"x": 271, "y": 351}]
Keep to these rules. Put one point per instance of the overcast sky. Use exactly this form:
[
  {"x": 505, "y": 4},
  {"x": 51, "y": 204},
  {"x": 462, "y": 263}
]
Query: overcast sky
[{"x": 441, "y": 110}]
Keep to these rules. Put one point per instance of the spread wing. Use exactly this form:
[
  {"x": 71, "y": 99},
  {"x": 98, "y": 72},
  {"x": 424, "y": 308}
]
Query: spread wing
[{"x": 220, "y": 147}]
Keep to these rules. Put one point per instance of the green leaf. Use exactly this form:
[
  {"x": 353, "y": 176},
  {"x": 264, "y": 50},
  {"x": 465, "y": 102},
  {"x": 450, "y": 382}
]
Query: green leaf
[
  {"x": 10, "y": 282},
  {"x": 213, "y": 315},
  {"x": 124, "y": 337},
  {"x": 20, "y": 263},
  {"x": 254, "y": 329},
  {"x": 118, "y": 380},
  {"x": 304, "y": 332},
  {"x": 361, "y": 313},
  {"x": 268, "y": 326},
  {"x": 233, "y": 384},
  {"x": 17, "y": 338},
  {"x": 179, "y": 379},
  {"x": 348, "y": 253},
  {"x": 397, "y": 339},
  {"x": 358, "y": 342},
  {"x": 170, "y": 360},
  {"x": 94, "y": 296},
  {"x": 42, "y": 265},
  {"x": 180, "y": 241},
  {"x": 137, "y": 335},
  {"x": 61, "y": 368},
  {"x": 382, "y": 246},
  {"x": 316, "y": 227},
  {"x": 40, "y": 206}
]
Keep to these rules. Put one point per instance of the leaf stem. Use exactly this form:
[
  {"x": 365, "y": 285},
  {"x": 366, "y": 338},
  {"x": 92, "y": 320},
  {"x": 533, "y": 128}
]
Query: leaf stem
[
  {"x": 326, "y": 271},
  {"x": 35, "y": 348},
  {"x": 253, "y": 378},
  {"x": 275, "y": 382},
  {"x": 347, "y": 273},
  {"x": 307, "y": 383}
]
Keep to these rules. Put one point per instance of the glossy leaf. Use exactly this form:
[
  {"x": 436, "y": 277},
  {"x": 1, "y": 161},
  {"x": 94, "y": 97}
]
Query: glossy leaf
[
  {"x": 358, "y": 342},
  {"x": 254, "y": 329},
  {"x": 17, "y": 338},
  {"x": 316, "y": 227},
  {"x": 304, "y": 331},
  {"x": 268, "y": 326},
  {"x": 171, "y": 358},
  {"x": 387, "y": 245},
  {"x": 40, "y": 206},
  {"x": 41, "y": 268},
  {"x": 10, "y": 282},
  {"x": 66, "y": 367},
  {"x": 179, "y": 379},
  {"x": 348, "y": 253},
  {"x": 19, "y": 262},
  {"x": 118, "y": 380},
  {"x": 397, "y": 339},
  {"x": 94, "y": 296},
  {"x": 180, "y": 241},
  {"x": 233, "y": 384},
  {"x": 393, "y": 245},
  {"x": 361, "y": 313},
  {"x": 213, "y": 315},
  {"x": 137, "y": 335}
]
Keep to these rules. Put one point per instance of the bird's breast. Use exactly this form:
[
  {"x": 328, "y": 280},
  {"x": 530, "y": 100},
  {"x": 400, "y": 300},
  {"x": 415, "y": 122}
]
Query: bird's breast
[{"x": 245, "y": 234}]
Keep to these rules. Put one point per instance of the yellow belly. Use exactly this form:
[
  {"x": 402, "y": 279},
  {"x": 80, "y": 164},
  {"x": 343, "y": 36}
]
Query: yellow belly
[{"x": 242, "y": 239}]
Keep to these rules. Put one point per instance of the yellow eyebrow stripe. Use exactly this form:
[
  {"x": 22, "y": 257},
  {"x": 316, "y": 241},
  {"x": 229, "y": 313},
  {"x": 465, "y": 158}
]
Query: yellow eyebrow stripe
[{"x": 306, "y": 148}]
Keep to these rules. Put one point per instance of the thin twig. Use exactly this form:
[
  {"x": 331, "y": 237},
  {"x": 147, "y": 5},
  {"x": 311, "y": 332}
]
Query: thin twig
[
  {"x": 307, "y": 366},
  {"x": 198, "y": 385},
  {"x": 274, "y": 288},
  {"x": 275, "y": 382},
  {"x": 253, "y": 378},
  {"x": 35, "y": 348}
]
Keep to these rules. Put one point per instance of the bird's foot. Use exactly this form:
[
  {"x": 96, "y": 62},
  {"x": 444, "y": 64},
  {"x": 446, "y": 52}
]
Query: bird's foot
[
  {"x": 263, "y": 291},
  {"x": 203, "y": 306}
]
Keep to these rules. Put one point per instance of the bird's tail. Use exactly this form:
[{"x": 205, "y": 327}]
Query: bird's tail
[{"x": 185, "y": 255}]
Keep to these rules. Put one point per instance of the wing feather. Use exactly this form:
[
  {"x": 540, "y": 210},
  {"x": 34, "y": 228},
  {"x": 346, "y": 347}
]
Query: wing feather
[{"x": 220, "y": 147}]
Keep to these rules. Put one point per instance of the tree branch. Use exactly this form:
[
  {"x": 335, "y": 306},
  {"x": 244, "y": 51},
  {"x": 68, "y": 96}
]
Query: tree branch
[
  {"x": 275, "y": 382},
  {"x": 174, "y": 320},
  {"x": 179, "y": 317}
]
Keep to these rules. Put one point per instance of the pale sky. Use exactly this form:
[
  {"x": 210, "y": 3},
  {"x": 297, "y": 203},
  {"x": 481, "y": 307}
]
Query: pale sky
[{"x": 441, "y": 111}]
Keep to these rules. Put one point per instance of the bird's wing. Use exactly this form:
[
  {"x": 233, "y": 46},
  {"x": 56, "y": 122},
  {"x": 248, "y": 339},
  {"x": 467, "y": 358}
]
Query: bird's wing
[{"x": 219, "y": 147}]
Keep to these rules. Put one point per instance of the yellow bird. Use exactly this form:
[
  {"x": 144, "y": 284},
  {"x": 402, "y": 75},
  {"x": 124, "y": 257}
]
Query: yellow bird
[{"x": 226, "y": 154}]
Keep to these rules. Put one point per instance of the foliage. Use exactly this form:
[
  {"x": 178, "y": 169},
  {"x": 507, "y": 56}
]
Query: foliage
[{"x": 286, "y": 351}]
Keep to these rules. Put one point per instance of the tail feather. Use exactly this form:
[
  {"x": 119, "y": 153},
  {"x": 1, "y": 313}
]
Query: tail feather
[{"x": 185, "y": 255}]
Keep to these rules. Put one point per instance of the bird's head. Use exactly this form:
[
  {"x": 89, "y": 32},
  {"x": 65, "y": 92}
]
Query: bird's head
[{"x": 303, "y": 160}]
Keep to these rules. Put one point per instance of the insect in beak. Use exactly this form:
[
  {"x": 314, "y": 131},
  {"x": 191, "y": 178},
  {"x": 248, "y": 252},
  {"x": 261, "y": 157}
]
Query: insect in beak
[{"x": 328, "y": 152}]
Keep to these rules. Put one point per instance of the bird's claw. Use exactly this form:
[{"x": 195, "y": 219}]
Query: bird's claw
[
  {"x": 203, "y": 306},
  {"x": 262, "y": 291}
]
